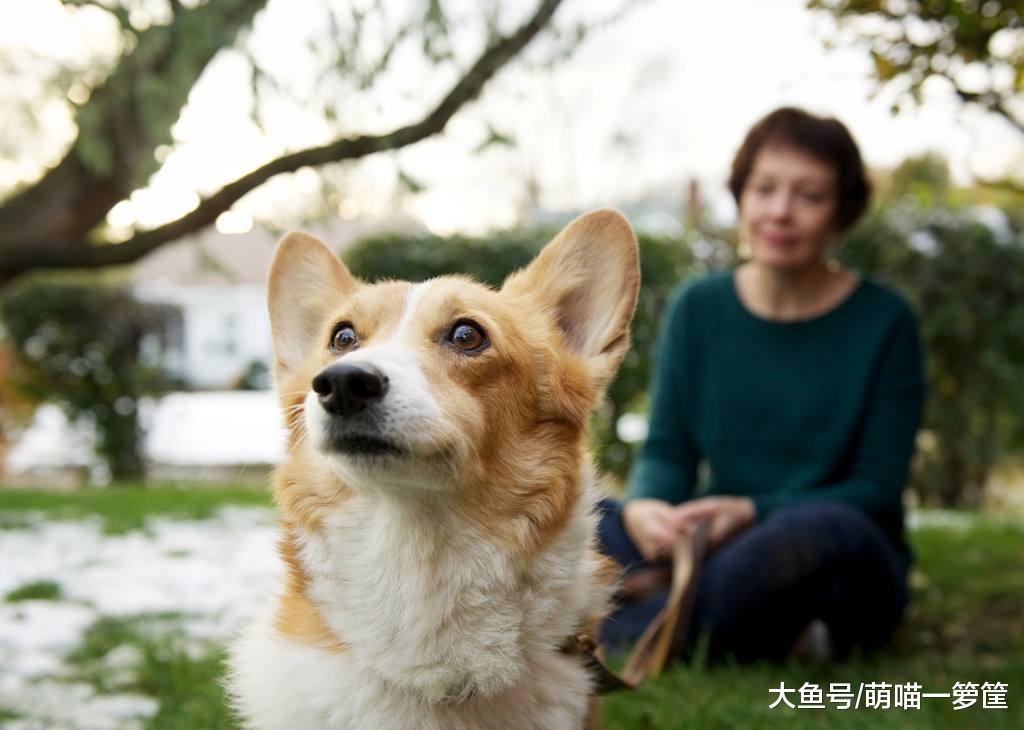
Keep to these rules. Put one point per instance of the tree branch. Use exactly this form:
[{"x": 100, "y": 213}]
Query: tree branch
[
  {"x": 122, "y": 123},
  {"x": 992, "y": 102},
  {"x": 80, "y": 253}
]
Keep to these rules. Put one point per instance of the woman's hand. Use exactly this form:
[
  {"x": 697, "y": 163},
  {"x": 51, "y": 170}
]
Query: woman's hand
[
  {"x": 652, "y": 525},
  {"x": 727, "y": 516}
]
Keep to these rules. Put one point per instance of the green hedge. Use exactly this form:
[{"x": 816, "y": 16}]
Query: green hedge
[{"x": 82, "y": 344}]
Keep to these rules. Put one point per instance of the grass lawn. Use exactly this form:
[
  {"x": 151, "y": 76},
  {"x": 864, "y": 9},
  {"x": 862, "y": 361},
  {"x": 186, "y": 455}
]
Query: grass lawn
[
  {"x": 966, "y": 625},
  {"x": 186, "y": 682},
  {"x": 124, "y": 507}
]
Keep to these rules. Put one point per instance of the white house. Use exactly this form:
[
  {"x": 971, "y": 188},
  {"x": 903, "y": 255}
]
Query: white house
[{"x": 225, "y": 332}]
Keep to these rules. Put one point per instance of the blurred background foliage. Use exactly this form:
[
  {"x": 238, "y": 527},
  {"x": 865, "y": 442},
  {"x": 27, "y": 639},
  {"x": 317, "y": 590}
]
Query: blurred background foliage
[
  {"x": 973, "y": 47},
  {"x": 959, "y": 260},
  {"x": 15, "y": 406},
  {"x": 92, "y": 348}
]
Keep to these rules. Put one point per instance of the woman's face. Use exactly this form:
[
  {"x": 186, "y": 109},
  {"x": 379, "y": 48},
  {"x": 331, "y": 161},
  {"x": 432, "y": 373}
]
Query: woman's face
[{"x": 787, "y": 208}]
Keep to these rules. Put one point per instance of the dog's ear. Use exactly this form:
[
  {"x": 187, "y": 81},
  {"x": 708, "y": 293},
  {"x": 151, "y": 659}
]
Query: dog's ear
[
  {"x": 307, "y": 283},
  {"x": 589, "y": 276}
]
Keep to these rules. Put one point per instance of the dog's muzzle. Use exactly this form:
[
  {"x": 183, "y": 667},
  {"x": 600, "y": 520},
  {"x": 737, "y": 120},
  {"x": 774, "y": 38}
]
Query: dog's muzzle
[{"x": 352, "y": 395}]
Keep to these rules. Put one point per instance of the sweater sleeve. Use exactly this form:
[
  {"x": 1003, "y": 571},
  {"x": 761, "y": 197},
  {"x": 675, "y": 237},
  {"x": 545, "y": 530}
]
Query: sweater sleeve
[
  {"x": 882, "y": 455},
  {"x": 667, "y": 466}
]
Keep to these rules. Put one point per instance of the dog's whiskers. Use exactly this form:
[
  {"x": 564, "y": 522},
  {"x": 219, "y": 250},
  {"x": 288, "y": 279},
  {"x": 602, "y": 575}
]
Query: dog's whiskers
[{"x": 303, "y": 435}]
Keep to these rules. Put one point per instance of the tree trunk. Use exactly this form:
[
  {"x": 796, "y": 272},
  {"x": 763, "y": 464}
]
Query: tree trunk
[
  {"x": 119, "y": 128},
  {"x": 66, "y": 203}
]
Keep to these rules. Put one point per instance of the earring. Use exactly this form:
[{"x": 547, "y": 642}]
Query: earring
[{"x": 743, "y": 249}]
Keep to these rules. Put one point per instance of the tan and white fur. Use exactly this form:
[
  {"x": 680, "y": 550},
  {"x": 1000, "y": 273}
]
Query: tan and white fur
[{"x": 437, "y": 525}]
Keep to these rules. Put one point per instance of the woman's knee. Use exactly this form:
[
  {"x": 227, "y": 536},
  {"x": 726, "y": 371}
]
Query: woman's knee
[
  {"x": 800, "y": 545},
  {"x": 821, "y": 514},
  {"x": 831, "y": 531}
]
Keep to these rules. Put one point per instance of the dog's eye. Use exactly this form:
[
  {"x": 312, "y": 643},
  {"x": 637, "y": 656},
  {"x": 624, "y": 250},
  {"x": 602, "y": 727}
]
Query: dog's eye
[
  {"x": 344, "y": 337},
  {"x": 468, "y": 337}
]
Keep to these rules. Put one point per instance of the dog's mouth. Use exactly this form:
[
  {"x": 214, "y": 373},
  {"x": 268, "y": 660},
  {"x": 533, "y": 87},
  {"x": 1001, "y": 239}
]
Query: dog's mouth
[{"x": 364, "y": 445}]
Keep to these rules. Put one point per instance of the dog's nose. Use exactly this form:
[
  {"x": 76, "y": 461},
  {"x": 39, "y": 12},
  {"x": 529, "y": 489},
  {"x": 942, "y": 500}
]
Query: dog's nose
[{"x": 348, "y": 388}]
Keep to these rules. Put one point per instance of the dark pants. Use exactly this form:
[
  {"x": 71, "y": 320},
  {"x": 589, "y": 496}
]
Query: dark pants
[{"x": 756, "y": 593}]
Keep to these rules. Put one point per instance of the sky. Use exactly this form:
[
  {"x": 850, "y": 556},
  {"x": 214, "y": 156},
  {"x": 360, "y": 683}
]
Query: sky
[{"x": 661, "y": 95}]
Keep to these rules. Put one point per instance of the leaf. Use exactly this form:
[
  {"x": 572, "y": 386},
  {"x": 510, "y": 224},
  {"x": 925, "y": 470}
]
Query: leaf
[
  {"x": 409, "y": 183},
  {"x": 885, "y": 69},
  {"x": 495, "y": 138}
]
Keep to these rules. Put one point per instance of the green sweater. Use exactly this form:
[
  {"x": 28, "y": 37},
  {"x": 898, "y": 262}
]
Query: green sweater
[{"x": 782, "y": 412}]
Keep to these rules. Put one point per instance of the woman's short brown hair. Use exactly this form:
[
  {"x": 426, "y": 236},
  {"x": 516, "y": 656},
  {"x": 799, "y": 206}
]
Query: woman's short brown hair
[{"x": 824, "y": 138}]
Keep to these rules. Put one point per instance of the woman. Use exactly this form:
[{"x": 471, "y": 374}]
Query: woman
[{"x": 799, "y": 384}]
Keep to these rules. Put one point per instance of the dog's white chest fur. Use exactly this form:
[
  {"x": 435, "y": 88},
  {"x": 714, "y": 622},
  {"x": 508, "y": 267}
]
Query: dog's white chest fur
[{"x": 443, "y": 629}]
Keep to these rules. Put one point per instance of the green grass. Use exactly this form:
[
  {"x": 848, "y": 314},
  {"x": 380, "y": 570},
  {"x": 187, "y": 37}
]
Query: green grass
[
  {"x": 187, "y": 685},
  {"x": 738, "y": 697},
  {"x": 6, "y": 714},
  {"x": 40, "y": 590},
  {"x": 124, "y": 507}
]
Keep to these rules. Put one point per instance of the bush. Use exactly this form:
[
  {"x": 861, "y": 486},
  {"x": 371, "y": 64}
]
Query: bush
[
  {"x": 966, "y": 281},
  {"x": 15, "y": 407},
  {"x": 664, "y": 263},
  {"x": 93, "y": 349}
]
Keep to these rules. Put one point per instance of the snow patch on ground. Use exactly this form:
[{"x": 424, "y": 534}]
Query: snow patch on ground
[{"x": 215, "y": 573}]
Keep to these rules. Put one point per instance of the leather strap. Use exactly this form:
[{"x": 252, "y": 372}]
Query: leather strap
[{"x": 666, "y": 634}]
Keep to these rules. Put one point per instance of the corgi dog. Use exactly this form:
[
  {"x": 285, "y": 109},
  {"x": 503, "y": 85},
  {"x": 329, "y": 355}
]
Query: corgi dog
[{"x": 437, "y": 525}]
